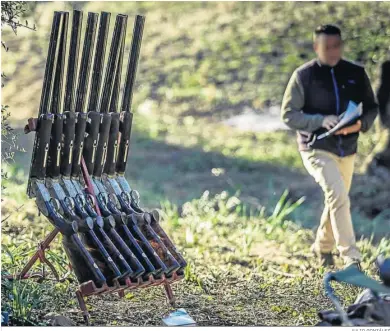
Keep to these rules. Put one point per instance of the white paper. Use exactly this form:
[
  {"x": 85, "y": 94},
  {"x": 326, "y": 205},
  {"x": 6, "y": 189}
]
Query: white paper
[{"x": 353, "y": 112}]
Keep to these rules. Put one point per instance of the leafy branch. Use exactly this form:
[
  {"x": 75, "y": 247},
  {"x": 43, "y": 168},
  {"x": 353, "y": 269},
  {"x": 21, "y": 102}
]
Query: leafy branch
[{"x": 11, "y": 12}]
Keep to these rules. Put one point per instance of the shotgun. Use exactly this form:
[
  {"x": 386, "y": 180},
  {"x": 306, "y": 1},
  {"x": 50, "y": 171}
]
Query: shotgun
[
  {"x": 84, "y": 202},
  {"x": 48, "y": 205},
  {"x": 121, "y": 221},
  {"x": 68, "y": 203},
  {"x": 97, "y": 130},
  {"x": 116, "y": 162},
  {"x": 105, "y": 200},
  {"x": 81, "y": 114}
]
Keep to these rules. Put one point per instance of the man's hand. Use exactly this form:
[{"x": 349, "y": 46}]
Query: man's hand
[
  {"x": 350, "y": 129},
  {"x": 330, "y": 121}
]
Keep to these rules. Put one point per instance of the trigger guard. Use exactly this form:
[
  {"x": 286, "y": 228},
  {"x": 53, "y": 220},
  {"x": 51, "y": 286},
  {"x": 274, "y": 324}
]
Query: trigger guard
[
  {"x": 91, "y": 199},
  {"x": 69, "y": 202},
  {"x": 135, "y": 199},
  {"x": 55, "y": 203},
  {"x": 103, "y": 197},
  {"x": 81, "y": 199},
  {"x": 114, "y": 199},
  {"x": 126, "y": 197}
]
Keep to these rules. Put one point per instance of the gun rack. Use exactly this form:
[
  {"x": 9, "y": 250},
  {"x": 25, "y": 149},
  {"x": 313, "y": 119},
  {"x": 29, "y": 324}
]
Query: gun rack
[{"x": 79, "y": 159}]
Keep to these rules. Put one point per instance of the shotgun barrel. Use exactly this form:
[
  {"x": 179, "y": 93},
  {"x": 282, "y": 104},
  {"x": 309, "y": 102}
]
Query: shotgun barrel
[
  {"x": 70, "y": 92},
  {"x": 114, "y": 105},
  {"x": 45, "y": 119},
  {"x": 90, "y": 153},
  {"x": 73, "y": 61},
  {"x": 113, "y": 66},
  {"x": 53, "y": 168},
  {"x": 133, "y": 62},
  {"x": 98, "y": 64},
  {"x": 51, "y": 63},
  {"x": 126, "y": 115},
  {"x": 109, "y": 165},
  {"x": 113, "y": 61},
  {"x": 82, "y": 88},
  {"x": 86, "y": 61}
]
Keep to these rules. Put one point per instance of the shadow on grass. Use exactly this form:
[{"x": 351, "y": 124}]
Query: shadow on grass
[{"x": 160, "y": 172}]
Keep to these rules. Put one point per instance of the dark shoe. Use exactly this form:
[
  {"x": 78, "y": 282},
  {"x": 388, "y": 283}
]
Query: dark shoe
[{"x": 326, "y": 259}]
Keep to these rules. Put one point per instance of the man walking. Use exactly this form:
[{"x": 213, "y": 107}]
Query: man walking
[{"x": 316, "y": 94}]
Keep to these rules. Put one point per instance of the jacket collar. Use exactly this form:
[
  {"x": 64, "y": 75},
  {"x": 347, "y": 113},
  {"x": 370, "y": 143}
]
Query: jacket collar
[{"x": 328, "y": 67}]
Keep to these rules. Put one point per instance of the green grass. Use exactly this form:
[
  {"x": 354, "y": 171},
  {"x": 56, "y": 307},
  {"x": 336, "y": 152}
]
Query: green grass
[
  {"x": 246, "y": 266},
  {"x": 212, "y": 58}
]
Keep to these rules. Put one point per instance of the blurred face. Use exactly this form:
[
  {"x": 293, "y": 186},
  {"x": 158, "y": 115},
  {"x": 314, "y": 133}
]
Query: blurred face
[{"x": 329, "y": 49}]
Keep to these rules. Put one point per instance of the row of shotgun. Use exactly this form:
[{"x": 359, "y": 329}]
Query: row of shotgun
[{"x": 80, "y": 155}]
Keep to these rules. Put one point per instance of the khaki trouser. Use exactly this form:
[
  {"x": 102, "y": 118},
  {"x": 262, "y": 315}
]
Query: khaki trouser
[{"x": 334, "y": 175}]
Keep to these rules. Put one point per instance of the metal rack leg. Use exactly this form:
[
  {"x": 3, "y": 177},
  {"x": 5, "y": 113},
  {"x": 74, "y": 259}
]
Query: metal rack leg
[
  {"x": 83, "y": 306},
  {"x": 169, "y": 294}
]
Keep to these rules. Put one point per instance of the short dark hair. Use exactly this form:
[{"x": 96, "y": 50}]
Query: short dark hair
[{"x": 327, "y": 29}]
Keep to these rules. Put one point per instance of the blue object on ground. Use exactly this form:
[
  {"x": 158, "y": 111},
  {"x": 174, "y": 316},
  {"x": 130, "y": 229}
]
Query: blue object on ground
[
  {"x": 4, "y": 318},
  {"x": 179, "y": 318}
]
